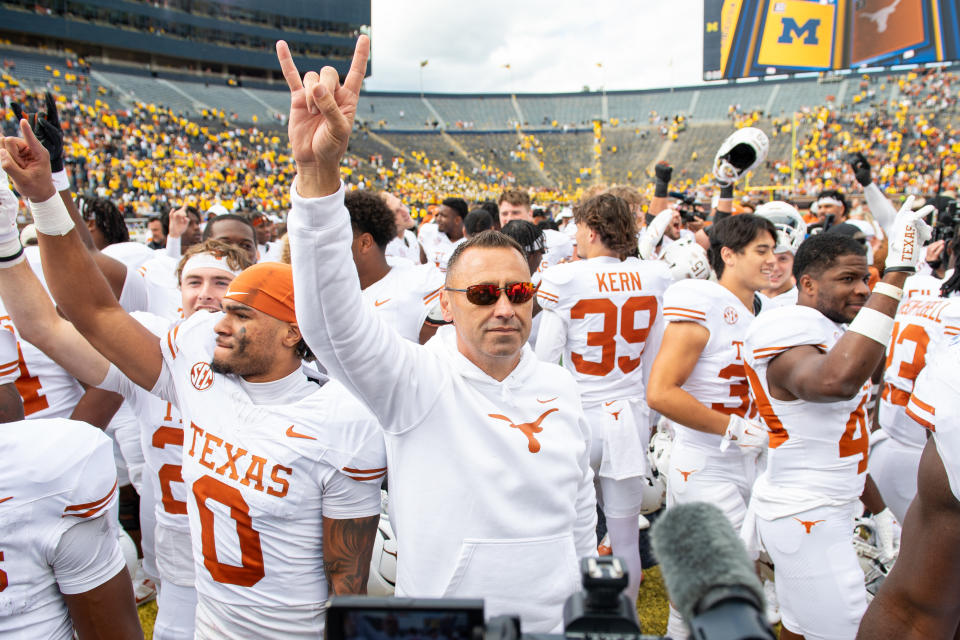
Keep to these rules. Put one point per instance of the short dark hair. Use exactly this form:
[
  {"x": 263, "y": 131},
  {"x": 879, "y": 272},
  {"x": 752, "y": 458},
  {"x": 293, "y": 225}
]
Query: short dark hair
[
  {"x": 457, "y": 204},
  {"x": 154, "y": 219},
  {"x": 609, "y": 217},
  {"x": 735, "y": 233},
  {"x": 489, "y": 239},
  {"x": 108, "y": 219},
  {"x": 528, "y": 235},
  {"x": 818, "y": 253},
  {"x": 208, "y": 230},
  {"x": 476, "y": 221},
  {"x": 370, "y": 214}
]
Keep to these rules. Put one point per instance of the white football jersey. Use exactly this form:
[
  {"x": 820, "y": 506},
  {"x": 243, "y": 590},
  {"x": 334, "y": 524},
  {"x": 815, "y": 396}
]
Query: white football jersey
[
  {"x": 163, "y": 290},
  {"x": 920, "y": 328},
  {"x": 921, "y": 284},
  {"x": 817, "y": 449},
  {"x": 935, "y": 405},
  {"x": 718, "y": 380},
  {"x": 608, "y": 308},
  {"x": 405, "y": 248},
  {"x": 404, "y": 296},
  {"x": 437, "y": 247},
  {"x": 260, "y": 478},
  {"x": 47, "y": 390},
  {"x": 786, "y": 299},
  {"x": 56, "y": 474}
]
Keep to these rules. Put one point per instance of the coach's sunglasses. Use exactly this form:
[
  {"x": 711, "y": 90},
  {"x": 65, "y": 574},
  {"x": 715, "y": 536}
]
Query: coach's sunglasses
[{"x": 487, "y": 294}]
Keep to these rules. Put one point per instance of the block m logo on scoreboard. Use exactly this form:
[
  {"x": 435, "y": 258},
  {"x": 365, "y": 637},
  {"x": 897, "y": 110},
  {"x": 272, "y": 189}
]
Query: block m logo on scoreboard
[
  {"x": 797, "y": 34},
  {"x": 792, "y": 31}
]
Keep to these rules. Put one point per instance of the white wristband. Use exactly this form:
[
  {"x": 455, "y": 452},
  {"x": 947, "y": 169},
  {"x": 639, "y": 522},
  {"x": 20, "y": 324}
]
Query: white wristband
[
  {"x": 887, "y": 289},
  {"x": 61, "y": 180},
  {"x": 873, "y": 324},
  {"x": 51, "y": 216}
]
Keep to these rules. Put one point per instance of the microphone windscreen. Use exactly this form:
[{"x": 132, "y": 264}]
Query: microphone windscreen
[{"x": 699, "y": 551}]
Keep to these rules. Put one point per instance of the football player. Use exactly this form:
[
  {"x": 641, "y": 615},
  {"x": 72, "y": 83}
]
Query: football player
[
  {"x": 403, "y": 293},
  {"x": 602, "y": 316},
  {"x": 918, "y": 599},
  {"x": 515, "y": 205},
  {"x": 438, "y": 239},
  {"x": 276, "y": 469},
  {"x": 791, "y": 231},
  {"x": 698, "y": 380},
  {"x": 811, "y": 383}
]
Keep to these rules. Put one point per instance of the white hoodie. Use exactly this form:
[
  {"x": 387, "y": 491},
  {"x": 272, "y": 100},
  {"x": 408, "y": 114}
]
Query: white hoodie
[{"x": 481, "y": 508}]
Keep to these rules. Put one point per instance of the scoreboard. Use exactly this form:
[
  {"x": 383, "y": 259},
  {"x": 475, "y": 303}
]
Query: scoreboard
[{"x": 744, "y": 38}]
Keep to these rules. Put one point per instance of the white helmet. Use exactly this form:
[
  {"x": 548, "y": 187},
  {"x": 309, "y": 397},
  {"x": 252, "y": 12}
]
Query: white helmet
[
  {"x": 874, "y": 563},
  {"x": 654, "y": 493},
  {"x": 687, "y": 260},
  {"x": 740, "y": 153},
  {"x": 791, "y": 227},
  {"x": 383, "y": 562},
  {"x": 661, "y": 446}
]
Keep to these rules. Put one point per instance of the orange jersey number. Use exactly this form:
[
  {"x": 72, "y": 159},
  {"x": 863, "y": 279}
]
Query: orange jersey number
[
  {"x": 855, "y": 440},
  {"x": 908, "y": 370},
  {"x": 251, "y": 570},
  {"x": 169, "y": 473},
  {"x": 3, "y": 575},
  {"x": 739, "y": 390},
  {"x": 606, "y": 339},
  {"x": 28, "y": 386}
]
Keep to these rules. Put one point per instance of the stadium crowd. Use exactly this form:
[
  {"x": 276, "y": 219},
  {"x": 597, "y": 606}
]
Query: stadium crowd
[{"x": 439, "y": 404}]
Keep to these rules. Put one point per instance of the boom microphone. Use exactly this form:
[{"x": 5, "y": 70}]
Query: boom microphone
[{"x": 709, "y": 577}]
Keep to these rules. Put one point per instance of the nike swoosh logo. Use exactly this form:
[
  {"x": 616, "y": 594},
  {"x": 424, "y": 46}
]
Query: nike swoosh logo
[
  {"x": 548, "y": 400},
  {"x": 294, "y": 434},
  {"x": 607, "y": 404},
  {"x": 377, "y": 303},
  {"x": 2, "y": 500}
]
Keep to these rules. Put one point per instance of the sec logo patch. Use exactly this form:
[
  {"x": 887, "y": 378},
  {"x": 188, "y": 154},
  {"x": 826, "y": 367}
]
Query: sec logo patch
[
  {"x": 201, "y": 376},
  {"x": 730, "y": 315}
]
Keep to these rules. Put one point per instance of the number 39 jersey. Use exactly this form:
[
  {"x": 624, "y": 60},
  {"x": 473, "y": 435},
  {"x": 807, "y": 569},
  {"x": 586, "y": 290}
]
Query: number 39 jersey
[
  {"x": 920, "y": 326},
  {"x": 608, "y": 308},
  {"x": 259, "y": 480},
  {"x": 718, "y": 380},
  {"x": 818, "y": 450}
]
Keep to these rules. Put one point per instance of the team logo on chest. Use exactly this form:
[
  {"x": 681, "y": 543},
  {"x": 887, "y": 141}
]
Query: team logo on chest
[
  {"x": 730, "y": 315},
  {"x": 201, "y": 376},
  {"x": 528, "y": 428}
]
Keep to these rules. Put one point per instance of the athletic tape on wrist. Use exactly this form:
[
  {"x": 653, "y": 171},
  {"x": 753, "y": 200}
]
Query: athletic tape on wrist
[
  {"x": 61, "y": 181},
  {"x": 887, "y": 289},
  {"x": 873, "y": 324},
  {"x": 11, "y": 253},
  {"x": 51, "y": 216}
]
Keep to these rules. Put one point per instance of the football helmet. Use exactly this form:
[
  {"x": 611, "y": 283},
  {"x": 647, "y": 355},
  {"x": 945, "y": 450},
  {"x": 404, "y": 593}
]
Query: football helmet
[
  {"x": 791, "y": 227},
  {"x": 739, "y": 154},
  {"x": 687, "y": 260},
  {"x": 382, "y": 580},
  {"x": 661, "y": 445},
  {"x": 653, "y": 495},
  {"x": 873, "y": 561}
]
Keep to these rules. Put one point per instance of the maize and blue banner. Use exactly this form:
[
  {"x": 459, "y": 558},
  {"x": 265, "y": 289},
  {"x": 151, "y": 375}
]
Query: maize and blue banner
[{"x": 748, "y": 38}]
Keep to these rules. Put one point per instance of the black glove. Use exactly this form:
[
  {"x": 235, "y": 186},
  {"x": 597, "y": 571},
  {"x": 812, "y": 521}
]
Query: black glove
[
  {"x": 861, "y": 168},
  {"x": 726, "y": 193},
  {"x": 663, "y": 172},
  {"x": 46, "y": 126}
]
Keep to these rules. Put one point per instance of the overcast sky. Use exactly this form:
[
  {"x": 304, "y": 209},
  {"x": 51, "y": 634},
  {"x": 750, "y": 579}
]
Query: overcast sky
[{"x": 551, "y": 46}]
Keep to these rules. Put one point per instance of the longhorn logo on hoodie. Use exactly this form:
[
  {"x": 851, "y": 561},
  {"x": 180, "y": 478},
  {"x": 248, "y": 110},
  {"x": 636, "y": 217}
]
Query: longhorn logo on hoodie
[{"x": 528, "y": 428}]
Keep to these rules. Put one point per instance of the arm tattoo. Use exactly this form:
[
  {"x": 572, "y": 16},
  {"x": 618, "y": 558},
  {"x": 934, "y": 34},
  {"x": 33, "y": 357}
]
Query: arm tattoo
[{"x": 347, "y": 547}]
